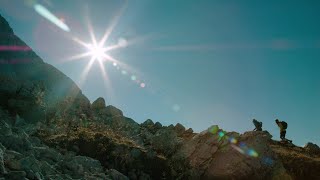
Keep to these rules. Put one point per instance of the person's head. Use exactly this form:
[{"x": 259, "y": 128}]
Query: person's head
[{"x": 277, "y": 120}]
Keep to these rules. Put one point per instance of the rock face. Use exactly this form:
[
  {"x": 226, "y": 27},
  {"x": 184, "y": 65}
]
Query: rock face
[
  {"x": 98, "y": 104},
  {"x": 49, "y": 130},
  {"x": 31, "y": 88},
  {"x": 25, "y": 156},
  {"x": 312, "y": 148}
]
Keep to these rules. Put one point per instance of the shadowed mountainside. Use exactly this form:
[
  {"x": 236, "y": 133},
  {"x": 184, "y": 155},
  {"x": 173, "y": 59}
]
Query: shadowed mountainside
[{"x": 50, "y": 130}]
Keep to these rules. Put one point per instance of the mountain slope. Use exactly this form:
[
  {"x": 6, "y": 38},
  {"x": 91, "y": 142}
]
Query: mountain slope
[
  {"x": 29, "y": 83},
  {"x": 49, "y": 129}
]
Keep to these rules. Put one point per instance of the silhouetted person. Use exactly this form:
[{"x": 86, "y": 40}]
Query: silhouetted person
[
  {"x": 257, "y": 124},
  {"x": 283, "y": 127}
]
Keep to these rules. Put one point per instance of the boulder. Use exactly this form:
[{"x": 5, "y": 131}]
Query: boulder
[
  {"x": 148, "y": 123},
  {"x": 165, "y": 141},
  {"x": 113, "y": 111},
  {"x": 189, "y": 131},
  {"x": 11, "y": 159},
  {"x": 312, "y": 148},
  {"x": 179, "y": 128},
  {"x": 158, "y": 125},
  {"x": 98, "y": 104}
]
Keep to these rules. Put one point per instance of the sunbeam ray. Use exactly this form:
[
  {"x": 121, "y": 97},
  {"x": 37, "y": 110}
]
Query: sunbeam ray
[
  {"x": 106, "y": 79},
  {"x": 75, "y": 57},
  {"x": 80, "y": 42},
  {"x": 86, "y": 72},
  {"x": 91, "y": 33},
  {"x": 113, "y": 24}
]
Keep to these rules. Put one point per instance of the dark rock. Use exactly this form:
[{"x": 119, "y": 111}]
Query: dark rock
[
  {"x": 114, "y": 174},
  {"x": 171, "y": 126},
  {"x": 5, "y": 29},
  {"x": 98, "y": 104},
  {"x": 2, "y": 168},
  {"x": 16, "y": 175},
  {"x": 190, "y": 130},
  {"x": 158, "y": 125},
  {"x": 179, "y": 128},
  {"x": 11, "y": 159},
  {"x": 148, "y": 123},
  {"x": 38, "y": 100},
  {"x": 312, "y": 148},
  {"x": 5, "y": 129},
  {"x": 165, "y": 141},
  {"x": 113, "y": 111}
]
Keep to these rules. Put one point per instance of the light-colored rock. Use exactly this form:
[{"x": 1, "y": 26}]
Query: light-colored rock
[{"x": 2, "y": 167}]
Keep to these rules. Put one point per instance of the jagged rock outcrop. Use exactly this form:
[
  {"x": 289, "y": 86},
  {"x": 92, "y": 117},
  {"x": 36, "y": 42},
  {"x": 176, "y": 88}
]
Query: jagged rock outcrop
[
  {"x": 23, "y": 156},
  {"x": 299, "y": 162},
  {"x": 49, "y": 130},
  {"x": 32, "y": 88},
  {"x": 98, "y": 104},
  {"x": 312, "y": 148}
]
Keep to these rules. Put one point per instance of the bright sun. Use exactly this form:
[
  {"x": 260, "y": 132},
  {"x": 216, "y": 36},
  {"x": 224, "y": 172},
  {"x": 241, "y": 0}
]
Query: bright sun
[{"x": 96, "y": 52}]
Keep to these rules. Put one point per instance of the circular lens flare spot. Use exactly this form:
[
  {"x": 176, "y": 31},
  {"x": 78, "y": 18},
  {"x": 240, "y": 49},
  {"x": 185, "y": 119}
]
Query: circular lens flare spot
[
  {"x": 176, "y": 107},
  {"x": 252, "y": 153},
  {"x": 233, "y": 140},
  {"x": 115, "y": 64},
  {"x": 124, "y": 72},
  {"x": 122, "y": 42},
  {"x": 143, "y": 85},
  {"x": 221, "y": 134},
  {"x": 133, "y": 77},
  {"x": 213, "y": 129}
]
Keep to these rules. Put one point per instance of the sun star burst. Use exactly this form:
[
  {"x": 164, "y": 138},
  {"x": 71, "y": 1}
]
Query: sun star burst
[{"x": 98, "y": 52}]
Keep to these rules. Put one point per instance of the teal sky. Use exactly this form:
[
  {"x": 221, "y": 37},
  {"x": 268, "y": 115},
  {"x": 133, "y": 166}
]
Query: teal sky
[{"x": 203, "y": 62}]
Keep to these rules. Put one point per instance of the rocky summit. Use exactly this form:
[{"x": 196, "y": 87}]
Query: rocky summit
[{"x": 50, "y": 130}]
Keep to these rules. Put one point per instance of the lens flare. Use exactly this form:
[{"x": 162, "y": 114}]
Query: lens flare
[
  {"x": 214, "y": 129},
  {"x": 122, "y": 42},
  {"x": 133, "y": 77},
  {"x": 176, "y": 107},
  {"x": 143, "y": 85},
  {"x": 252, "y": 153},
  {"x": 237, "y": 149},
  {"x": 51, "y": 17},
  {"x": 233, "y": 140},
  {"x": 96, "y": 51},
  {"x": 14, "y": 48},
  {"x": 123, "y": 72},
  {"x": 221, "y": 134}
]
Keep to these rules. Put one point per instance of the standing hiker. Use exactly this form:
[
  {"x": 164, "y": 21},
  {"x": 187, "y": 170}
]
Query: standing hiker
[
  {"x": 257, "y": 124},
  {"x": 283, "y": 127}
]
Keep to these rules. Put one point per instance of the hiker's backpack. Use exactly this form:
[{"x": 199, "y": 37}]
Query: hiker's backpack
[
  {"x": 284, "y": 125},
  {"x": 257, "y": 123}
]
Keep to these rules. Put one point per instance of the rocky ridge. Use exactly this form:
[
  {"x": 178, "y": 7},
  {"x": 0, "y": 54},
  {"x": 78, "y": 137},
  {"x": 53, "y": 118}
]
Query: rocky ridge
[{"x": 50, "y": 130}]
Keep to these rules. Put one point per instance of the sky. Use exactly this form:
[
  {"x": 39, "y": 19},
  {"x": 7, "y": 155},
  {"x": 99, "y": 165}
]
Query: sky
[{"x": 198, "y": 63}]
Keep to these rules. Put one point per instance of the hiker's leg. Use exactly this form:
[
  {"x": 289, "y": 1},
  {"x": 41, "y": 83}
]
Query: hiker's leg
[{"x": 282, "y": 135}]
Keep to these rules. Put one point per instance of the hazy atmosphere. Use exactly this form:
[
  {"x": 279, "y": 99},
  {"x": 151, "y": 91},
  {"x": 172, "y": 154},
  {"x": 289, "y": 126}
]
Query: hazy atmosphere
[{"x": 199, "y": 63}]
